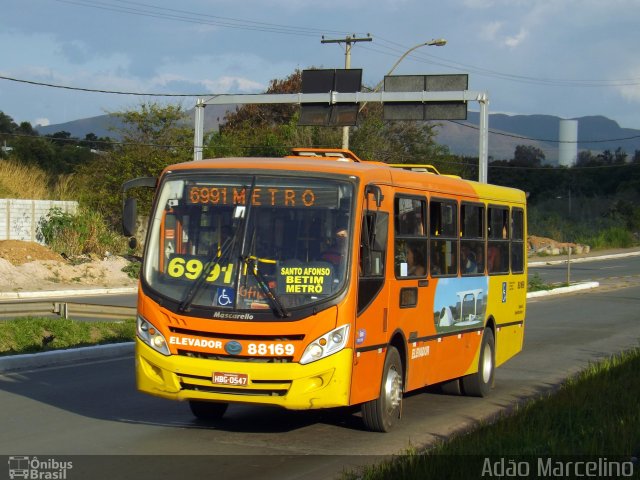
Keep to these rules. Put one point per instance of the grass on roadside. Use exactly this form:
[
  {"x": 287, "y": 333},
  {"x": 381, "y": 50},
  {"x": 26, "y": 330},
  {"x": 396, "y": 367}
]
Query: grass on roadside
[
  {"x": 33, "y": 334},
  {"x": 592, "y": 415},
  {"x": 536, "y": 283},
  {"x": 18, "y": 180}
]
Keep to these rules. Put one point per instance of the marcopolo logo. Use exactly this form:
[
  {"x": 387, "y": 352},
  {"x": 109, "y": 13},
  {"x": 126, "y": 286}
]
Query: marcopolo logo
[
  {"x": 233, "y": 347},
  {"x": 37, "y": 468}
]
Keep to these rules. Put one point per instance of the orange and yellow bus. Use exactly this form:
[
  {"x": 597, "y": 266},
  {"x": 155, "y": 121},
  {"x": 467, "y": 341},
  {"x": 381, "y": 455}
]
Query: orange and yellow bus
[{"x": 320, "y": 280}]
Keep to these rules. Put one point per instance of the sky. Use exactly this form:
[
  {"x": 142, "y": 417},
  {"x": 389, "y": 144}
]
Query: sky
[{"x": 569, "y": 58}]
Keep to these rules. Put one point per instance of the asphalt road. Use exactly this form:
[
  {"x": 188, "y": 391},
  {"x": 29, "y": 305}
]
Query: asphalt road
[
  {"x": 614, "y": 271},
  {"x": 611, "y": 271},
  {"x": 94, "y": 409}
]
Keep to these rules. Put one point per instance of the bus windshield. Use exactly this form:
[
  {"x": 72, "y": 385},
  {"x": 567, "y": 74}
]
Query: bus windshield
[{"x": 249, "y": 242}]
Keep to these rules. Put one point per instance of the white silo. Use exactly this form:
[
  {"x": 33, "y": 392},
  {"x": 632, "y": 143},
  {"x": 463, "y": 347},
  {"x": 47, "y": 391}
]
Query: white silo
[{"x": 568, "y": 147}]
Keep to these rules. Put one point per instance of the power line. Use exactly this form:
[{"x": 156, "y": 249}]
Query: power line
[
  {"x": 288, "y": 147},
  {"x": 93, "y": 90},
  {"x": 587, "y": 167},
  {"x": 423, "y": 57},
  {"x": 183, "y": 95},
  {"x": 151, "y": 11}
]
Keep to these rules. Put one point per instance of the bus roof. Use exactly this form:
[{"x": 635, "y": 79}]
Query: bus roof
[{"x": 345, "y": 162}]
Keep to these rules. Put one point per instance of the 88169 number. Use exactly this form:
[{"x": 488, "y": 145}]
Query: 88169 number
[{"x": 270, "y": 349}]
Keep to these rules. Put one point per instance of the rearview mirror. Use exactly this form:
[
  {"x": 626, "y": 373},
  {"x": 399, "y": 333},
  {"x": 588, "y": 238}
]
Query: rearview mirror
[{"x": 129, "y": 214}]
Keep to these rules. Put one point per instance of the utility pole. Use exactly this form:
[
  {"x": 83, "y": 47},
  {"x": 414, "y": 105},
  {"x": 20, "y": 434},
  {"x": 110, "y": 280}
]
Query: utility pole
[{"x": 348, "y": 41}]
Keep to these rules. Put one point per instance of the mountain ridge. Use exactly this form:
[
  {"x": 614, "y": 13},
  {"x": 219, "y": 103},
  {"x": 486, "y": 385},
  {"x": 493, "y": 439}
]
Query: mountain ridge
[{"x": 595, "y": 132}]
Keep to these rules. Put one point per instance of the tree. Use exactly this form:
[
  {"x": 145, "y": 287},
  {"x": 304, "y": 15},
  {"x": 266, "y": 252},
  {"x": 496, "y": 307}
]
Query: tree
[
  {"x": 61, "y": 138},
  {"x": 528, "y": 156},
  {"x": 153, "y": 136},
  {"x": 7, "y": 125},
  {"x": 267, "y": 115},
  {"x": 25, "y": 128},
  {"x": 271, "y": 130},
  {"x": 585, "y": 157},
  {"x": 92, "y": 141},
  {"x": 34, "y": 151},
  {"x": 620, "y": 156},
  {"x": 606, "y": 158}
]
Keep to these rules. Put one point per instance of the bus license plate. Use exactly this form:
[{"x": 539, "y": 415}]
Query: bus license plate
[{"x": 233, "y": 379}]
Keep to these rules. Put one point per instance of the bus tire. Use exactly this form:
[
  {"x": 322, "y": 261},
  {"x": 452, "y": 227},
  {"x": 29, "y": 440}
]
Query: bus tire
[
  {"x": 207, "y": 410},
  {"x": 479, "y": 384},
  {"x": 381, "y": 414}
]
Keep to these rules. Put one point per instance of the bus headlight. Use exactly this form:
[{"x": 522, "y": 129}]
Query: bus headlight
[
  {"x": 151, "y": 336},
  {"x": 326, "y": 345}
]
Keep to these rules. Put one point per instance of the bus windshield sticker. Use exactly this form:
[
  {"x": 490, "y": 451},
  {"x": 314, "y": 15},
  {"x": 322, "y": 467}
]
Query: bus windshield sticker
[
  {"x": 314, "y": 278},
  {"x": 225, "y": 297},
  {"x": 190, "y": 267}
]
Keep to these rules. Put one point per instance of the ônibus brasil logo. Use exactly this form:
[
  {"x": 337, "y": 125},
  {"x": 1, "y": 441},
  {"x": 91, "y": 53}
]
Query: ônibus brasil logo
[{"x": 22, "y": 466}]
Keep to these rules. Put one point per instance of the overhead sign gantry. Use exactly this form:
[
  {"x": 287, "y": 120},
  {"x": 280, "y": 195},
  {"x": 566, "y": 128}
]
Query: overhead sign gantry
[{"x": 407, "y": 102}]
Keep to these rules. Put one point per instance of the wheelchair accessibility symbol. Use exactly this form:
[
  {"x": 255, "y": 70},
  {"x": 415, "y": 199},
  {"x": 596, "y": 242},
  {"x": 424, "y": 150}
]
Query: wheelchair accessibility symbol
[{"x": 225, "y": 297}]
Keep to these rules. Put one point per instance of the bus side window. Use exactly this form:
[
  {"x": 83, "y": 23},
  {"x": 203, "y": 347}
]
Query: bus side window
[
  {"x": 373, "y": 248},
  {"x": 517, "y": 240},
  {"x": 373, "y": 244},
  {"x": 498, "y": 244},
  {"x": 410, "y": 237},
  {"x": 472, "y": 239},
  {"x": 443, "y": 230}
]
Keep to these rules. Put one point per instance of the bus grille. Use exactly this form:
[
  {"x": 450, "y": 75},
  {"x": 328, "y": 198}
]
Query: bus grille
[
  {"x": 239, "y": 336},
  {"x": 234, "y": 358}
]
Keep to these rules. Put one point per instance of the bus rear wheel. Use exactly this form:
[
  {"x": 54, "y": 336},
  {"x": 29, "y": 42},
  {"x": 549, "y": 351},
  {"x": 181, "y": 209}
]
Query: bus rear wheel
[
  {"x": 381, "y": 414},
  {"x": 479, "y": 384},
  {"x": 207, "y": 410}
]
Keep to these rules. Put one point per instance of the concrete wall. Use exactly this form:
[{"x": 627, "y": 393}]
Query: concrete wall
[{"x": 20, "y": 219}]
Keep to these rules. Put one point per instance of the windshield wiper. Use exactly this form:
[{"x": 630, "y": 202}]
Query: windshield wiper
[
  {"x": 272, "y": 296},
  {"x": 241, "y": 219},
  {"x": 206, "y": 271}
]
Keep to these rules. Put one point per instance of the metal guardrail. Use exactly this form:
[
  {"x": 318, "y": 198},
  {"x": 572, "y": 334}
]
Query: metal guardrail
[{"x": 66, "y": 310}]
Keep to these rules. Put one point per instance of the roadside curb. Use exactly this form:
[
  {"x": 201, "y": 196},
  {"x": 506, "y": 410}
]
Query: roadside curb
[
  {"x": 17, "y": 363},
  {"x": 68, "y": 293},
  {"x": 583, "y": 259},
  {"x": 559, "y": 291}
]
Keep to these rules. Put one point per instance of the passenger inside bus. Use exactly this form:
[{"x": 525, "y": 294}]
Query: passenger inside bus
[
  {"x": 493, "y": 259},
  {"x": 436, "y": 262},
  {"x": 335, "y": 254},
  {"x": 415, "y": 261},
  {"x": 480, "y": 258},
  {"x": 468, "y": 260}
]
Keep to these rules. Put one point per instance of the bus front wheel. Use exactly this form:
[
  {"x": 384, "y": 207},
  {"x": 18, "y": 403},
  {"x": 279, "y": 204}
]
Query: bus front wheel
[
  {"x": 479, "y": 384},
  {"x": 381, "y": 414},
  {"x": 208, "y": 410}
]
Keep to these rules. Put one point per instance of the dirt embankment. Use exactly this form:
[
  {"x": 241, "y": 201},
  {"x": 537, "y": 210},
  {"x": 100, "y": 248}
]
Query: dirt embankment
[
  {"x": 550, "y": 246},
  {"x": 29, "y": 266}
]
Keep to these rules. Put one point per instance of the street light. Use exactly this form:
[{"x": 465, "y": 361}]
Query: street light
[{"x": 440, "y": 42}]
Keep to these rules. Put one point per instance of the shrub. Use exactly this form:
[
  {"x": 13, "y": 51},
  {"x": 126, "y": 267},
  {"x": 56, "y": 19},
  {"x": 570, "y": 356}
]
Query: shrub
[
  {"x": 83, "y": 233},
  {"x": 612, "y": 237}
]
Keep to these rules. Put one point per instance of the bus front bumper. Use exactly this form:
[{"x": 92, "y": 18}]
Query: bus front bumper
[{"x": 324, "y": 383}]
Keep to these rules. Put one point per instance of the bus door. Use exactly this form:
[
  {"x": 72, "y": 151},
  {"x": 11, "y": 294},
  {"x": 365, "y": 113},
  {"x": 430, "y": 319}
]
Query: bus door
[{"x": 372, "y": 318}]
